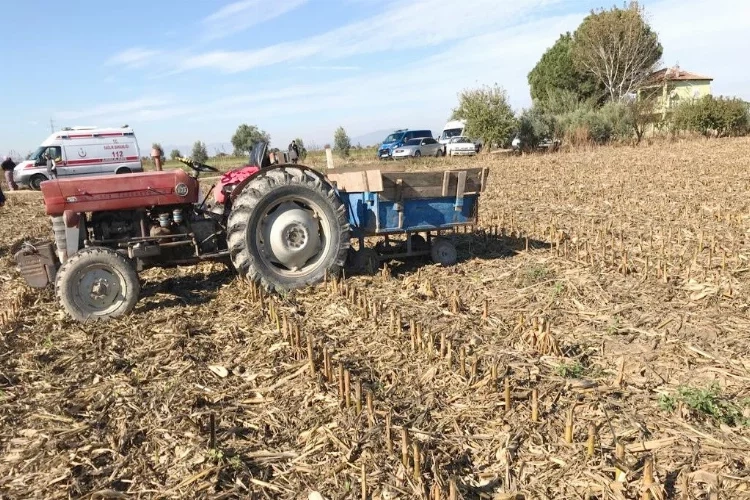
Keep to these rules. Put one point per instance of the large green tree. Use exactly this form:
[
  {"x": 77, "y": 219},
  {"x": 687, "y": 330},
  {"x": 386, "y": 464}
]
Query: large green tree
[
  {"x": 618, "y": 48},
  {"x": 487, "y": 113},
  {"x": 245, "y": 138},
  {"x": 556, "y": 74}
]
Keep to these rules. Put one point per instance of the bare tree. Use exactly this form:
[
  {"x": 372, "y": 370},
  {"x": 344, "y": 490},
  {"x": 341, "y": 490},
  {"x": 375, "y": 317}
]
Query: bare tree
[{"x": 618, "y": 47}]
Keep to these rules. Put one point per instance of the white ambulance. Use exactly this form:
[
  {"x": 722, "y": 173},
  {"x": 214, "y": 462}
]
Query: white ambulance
[
  {"x": 81, "y": 151},
  {"x": 453, "y": 128}
]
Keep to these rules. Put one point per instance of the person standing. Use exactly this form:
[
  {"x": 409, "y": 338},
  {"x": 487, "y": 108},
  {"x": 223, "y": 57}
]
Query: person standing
[
  {"x": 293, "y": 152},
  {"x": 51, "y": 166},
  {"x": 8, "y": 165}
]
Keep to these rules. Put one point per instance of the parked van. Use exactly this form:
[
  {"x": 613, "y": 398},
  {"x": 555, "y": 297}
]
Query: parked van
[
  {"x": 80, "y": 151},
  {"x": 397, "y": 139},
  {"x": 454, "y": 128}
]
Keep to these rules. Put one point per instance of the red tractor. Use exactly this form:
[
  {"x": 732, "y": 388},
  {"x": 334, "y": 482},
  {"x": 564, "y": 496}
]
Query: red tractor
[{"x": 282, "y": 226}]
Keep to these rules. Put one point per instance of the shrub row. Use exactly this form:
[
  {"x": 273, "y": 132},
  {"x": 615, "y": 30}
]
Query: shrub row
[{"x": 583, "y": 124}]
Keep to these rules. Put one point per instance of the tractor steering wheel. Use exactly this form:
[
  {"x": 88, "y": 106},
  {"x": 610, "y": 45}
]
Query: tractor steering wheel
[{"x": 198, "y": 167}]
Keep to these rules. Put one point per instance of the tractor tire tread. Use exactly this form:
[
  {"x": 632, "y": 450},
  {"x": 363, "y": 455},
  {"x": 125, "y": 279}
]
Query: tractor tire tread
[
  {"x": 114, "y": 259},
  {"x": 239, "y": 224}
]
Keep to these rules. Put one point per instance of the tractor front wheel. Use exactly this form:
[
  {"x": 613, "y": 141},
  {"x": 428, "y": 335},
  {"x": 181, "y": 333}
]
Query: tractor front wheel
[
  {"x": 287, "y": 230},
  {"x": 97, "y": 283}
]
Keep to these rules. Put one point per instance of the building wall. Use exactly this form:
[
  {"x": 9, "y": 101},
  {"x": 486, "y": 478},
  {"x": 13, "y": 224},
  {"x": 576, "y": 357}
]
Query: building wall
[
  {"x": 681, "y": 91},
  {"x": 672, "y": 94}
]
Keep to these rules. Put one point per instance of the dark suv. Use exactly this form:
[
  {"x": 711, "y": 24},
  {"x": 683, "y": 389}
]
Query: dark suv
[{"x": 397, "y": 139}]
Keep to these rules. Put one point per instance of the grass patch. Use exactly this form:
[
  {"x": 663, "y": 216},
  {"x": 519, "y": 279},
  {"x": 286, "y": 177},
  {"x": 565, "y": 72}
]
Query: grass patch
[
  {"x": 614, "y": 326},
  {"x": 558, "y": 290},
  {"x": 535, "y": 274},
  {"x": 708, "y": 402},
  {"x": 570, "y": 370}
]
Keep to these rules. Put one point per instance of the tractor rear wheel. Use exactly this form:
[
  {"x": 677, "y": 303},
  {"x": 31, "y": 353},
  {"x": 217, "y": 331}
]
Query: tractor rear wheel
[
  {"x": 288, "y": 229},
  {"x": 97, "y": 283}
]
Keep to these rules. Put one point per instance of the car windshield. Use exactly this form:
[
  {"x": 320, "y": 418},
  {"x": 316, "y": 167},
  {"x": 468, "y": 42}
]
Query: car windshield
[
  {"x": 413, "y": 142},
  {"x": 38, "y": 153},
  {"x": 456, "y": 140},
  {"x": 451, "y": 132},
  {"x": 393, "y": 138}
]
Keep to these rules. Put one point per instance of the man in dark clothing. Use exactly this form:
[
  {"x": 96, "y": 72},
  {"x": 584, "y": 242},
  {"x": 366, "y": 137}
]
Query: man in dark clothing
[
  {"x": 8, "y": 166},
  {"x": 293, "y": 152}
]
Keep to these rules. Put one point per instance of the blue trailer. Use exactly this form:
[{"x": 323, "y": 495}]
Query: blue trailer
[{"x": 420, "y": 205}]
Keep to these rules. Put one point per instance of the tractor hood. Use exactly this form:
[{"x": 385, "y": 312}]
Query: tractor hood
[{"x": 119, "y": 192}]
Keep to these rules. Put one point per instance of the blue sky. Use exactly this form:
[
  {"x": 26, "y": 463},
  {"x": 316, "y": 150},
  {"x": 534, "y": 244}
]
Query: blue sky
[{"x": 184, "y": 71}]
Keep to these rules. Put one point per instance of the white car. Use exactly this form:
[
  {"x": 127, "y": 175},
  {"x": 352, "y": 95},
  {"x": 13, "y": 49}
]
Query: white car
[
  {"x": 414, "y": 148},
  {"x": 460, "y": 146}
]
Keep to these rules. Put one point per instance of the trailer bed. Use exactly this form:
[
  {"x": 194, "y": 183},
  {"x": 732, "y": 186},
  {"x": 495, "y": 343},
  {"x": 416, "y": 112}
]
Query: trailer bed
[{"x": 388, "y": 201}]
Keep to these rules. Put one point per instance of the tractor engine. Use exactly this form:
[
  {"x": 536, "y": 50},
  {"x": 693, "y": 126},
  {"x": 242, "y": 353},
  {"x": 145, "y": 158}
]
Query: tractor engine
[
  {"x": 159, "y": 235},
  {"x": 115, "y": 225}
]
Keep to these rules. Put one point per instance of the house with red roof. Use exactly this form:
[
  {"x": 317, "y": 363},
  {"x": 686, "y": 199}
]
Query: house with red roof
[{"x": 672, "y": 86}]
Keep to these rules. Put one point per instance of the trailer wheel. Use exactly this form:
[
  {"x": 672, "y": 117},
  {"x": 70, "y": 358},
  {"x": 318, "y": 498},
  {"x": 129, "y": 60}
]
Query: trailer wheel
[
  {"x": 288, "y": 229},
  {"x": 418, "y": 243},
  {"x": 443, "y": 252},
  {"x": 366, "y": 261},
  {"x": 97, "y": 283}
]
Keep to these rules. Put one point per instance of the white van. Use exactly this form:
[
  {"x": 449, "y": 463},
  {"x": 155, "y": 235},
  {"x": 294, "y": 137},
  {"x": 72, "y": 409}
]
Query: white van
[
  {"x": 82, "y": 151},
  {"x": 454, "y": 128}
]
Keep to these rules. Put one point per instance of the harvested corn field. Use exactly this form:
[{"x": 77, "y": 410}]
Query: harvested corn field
[{"x": 592, "y": 342}]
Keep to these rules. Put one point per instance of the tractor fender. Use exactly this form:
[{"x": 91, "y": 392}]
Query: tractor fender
[{"x": 238, "y": 189}]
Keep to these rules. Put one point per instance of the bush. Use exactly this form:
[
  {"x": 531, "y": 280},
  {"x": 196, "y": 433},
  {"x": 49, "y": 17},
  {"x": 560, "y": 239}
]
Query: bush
[
  {"x": 342, "y": 143},
  {"x": 200, "y": 154},
  {"x": 710, "y": 115},
  {"x": 488, "y": 115},
  {"x": 618, "y": 118},
  {"x": 600, "y": 126},
  {"x": 534, "y": 126}
]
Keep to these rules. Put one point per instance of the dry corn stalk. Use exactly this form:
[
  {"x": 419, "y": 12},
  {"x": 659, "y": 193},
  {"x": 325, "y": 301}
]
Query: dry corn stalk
[{"x": 542, "y": 341}]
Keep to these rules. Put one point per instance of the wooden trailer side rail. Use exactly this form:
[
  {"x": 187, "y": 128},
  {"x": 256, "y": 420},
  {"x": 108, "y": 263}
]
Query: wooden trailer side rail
[{"x": 396, "y": 186}]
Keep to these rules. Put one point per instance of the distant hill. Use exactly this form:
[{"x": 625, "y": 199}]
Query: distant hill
[{"x": 372, "y": 138}]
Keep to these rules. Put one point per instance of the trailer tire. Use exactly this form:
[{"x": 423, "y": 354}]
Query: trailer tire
[
  {"x": 366, "y": 261},
  {"x": 443, "y": 252},
  {"x": 287, "y": 230},
  {"x": 112, "y": 275}
]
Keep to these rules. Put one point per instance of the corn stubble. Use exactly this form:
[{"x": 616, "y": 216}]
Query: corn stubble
[{"x": 629, "y": 262}]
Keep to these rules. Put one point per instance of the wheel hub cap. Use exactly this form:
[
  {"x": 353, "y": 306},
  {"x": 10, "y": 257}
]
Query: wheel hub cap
[
  {"x": 99, "y": 289},
  {"x": 291, "y": 236}
]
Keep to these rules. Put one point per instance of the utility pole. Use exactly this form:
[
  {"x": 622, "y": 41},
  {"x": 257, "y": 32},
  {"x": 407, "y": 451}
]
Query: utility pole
[{"x": 52, "y": 126}]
